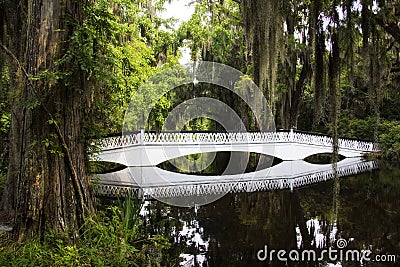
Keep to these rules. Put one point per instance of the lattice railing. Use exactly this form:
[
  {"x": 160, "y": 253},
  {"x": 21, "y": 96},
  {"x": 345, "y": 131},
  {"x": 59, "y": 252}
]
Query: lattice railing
[
  {"x": 118, "y": 141},
  {"x": 257, "y": 184},
  {"x": 232, "y": 138}
]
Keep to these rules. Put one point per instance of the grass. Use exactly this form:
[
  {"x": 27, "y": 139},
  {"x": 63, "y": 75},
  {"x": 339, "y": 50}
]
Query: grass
[{"x": 112, "y": 237}]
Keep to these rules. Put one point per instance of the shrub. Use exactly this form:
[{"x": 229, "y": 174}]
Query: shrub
[
  {"x": 362, "y": 129},
  {"x": 112, "y": 237},
  {"x": 390, "y": 142},
  {"x": 388, "y": 133}
]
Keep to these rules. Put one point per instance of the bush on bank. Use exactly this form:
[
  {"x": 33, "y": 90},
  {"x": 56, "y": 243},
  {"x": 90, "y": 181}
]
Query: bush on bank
[
  {"x": 108, "y": 238},
  {"x": 387, "y": 133},
  {"x": 390, "y": 143}
]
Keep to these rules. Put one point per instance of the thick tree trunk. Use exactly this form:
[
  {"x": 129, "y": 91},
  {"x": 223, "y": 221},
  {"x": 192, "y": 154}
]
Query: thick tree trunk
[
  {"x": 3, "y": 98},
  {"x": 48, "y": 183},
  {"x": 291, "y": 101}
]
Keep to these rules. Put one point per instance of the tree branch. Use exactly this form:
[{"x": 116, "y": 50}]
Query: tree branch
[
  {"x": 390, "y": 27},
  {"x": 10, "y": 54}
]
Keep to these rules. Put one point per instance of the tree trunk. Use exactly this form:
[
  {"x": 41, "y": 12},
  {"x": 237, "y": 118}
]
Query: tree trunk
[
  {"x": 48, "y": 182},
  {"x": 319, "y": 62},
  {"x": 292, "y": 101},
  {"x": 334, "y": 87},
  {"x": 292, "y": 98},
  {"x": 3, "y": 99}
]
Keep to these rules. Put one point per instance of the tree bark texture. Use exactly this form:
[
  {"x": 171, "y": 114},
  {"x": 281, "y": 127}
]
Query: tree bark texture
[
  {"x": 48, "y": 182},
  {"x": 3, "y": 98},
  {"x": 334, "y": 87},
  {"x": 319, "y": 62}
]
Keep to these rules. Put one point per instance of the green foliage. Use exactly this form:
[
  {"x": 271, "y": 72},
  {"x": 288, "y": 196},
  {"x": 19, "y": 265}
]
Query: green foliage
[
  {"x": 113, "y": 237},
  {"x": 51, "y": 145},
  {"x": 361, "y": 129},
  {"x": 5, "y": 122},
  {"x": 196, "y": 31},
  {"x": 119, "y": 45},
  {"x": 388, "y": 133},
  {"x": 215, "y": 33},
  {"x": 390, "y": 141},
  {"x": 155, "y": 91},
  {"x": 5, "y": 114}
]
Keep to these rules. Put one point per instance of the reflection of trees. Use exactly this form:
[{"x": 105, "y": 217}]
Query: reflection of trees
[
  {"x": 239, "y": 225},
  {"x": 335, "y": 203},
  {"x": 163, "y": 220},
  {"x": 242, "y": 224},
  {"x": 370, "y": 210}
]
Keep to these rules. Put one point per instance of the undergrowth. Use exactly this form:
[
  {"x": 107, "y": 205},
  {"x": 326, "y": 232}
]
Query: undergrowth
[{"x": 112, "y": 237}]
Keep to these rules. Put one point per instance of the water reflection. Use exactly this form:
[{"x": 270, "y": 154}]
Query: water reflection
[
  {"x": 255, "y": 210},
  {"x": 165, "y": 185},
  {"x": 220, "y": 163},
  {"x": 229, "y": 232}
]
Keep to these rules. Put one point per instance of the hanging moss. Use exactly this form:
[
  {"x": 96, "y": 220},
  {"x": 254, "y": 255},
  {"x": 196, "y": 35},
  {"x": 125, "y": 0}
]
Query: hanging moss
[
  {"x": 263, "y": 22},
  {"x": 377, "y": 71},
  {"x": 366, "y": 20},
  {"x": 319, "y": 61}
]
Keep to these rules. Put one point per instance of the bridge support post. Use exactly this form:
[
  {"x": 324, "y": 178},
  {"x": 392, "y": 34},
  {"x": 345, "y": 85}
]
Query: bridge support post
[
  {"x": 291, "y": 135},
  {"x": 141, "y": 141}
]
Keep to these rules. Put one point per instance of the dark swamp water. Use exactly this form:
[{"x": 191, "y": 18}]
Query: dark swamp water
[
  {"x": 330, "y": 223},
  {"x": 241, "y": 229}
]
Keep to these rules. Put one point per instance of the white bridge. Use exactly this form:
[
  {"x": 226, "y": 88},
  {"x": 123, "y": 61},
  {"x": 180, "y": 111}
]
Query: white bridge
[
  {"x": 151, "y": 149},
  {"x": 153, "y": 182},
  {"x": 143, "y": 151}
]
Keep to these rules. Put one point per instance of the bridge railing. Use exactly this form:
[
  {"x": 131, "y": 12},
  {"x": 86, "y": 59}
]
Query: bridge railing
[
  {"x": 118, "y": 141},
  {"x": 255, "y": 184},
  {"x": 231, "y": 137}
]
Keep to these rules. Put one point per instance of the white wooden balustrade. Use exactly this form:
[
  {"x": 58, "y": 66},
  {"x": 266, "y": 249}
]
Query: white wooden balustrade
[
  {"x": 151, "y": 149},
  {"x": 143, "y": 138}
]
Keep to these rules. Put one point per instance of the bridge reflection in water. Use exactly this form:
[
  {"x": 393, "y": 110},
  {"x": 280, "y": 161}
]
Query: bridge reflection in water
[{"x": 152, "y": 182}]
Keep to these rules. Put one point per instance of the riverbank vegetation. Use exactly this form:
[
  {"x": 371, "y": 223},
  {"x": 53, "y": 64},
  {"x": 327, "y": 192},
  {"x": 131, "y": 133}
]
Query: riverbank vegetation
[
  {"x": 114, "y": 236},
  {"x": 68, "y": 70}
]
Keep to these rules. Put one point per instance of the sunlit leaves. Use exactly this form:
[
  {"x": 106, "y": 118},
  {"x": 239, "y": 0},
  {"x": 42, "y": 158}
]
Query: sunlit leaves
[{"x": 118, "y": 46}]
